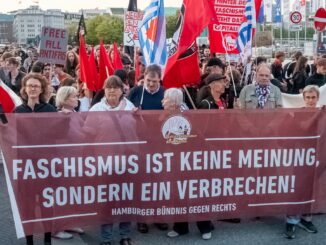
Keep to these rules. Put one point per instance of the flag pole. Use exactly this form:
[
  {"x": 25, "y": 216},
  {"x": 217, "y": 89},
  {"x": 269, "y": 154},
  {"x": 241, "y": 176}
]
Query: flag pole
[{"x": 189, "y": 97}]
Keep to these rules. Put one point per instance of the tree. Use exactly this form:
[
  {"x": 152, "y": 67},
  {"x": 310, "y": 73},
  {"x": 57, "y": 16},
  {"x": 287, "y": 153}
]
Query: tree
[
  {"x": 109, "y": 28},
  {"x": 72, "y": 33},
  {"x": 171, "y": 25}
]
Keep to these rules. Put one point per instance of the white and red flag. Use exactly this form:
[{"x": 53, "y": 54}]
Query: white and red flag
[{"x": 8, "y": 99}]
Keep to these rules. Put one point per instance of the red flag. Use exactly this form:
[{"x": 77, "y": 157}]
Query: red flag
[
  {"x": 93, "y": 71},
  {"x": 105, "y": 65},
  {"x": 185, "y": 70},
  {"x": 117, "y": 62},
  {"x": 85, "y": 75},
  {"x": 195, "y": 15},
  {"x": 8, "y": 99}
]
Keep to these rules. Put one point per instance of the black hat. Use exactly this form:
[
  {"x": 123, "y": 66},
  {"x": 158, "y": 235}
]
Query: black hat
[
  {"x": 214, "y": 77},
  {"x": 215, "y": 62}
]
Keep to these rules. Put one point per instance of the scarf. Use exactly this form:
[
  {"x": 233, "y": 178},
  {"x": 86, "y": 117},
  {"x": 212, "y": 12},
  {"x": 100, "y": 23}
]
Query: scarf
[{"x": 262, "y": 93}]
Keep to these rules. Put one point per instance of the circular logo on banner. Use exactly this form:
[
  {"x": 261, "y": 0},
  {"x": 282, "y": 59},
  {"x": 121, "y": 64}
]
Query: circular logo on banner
[
  {"x": 295, "y": 17},
  {"x": 176, "y": 130}
]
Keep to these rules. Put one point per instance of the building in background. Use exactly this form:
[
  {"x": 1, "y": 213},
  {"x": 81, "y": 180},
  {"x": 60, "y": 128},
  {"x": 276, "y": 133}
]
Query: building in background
[
  {"x": 91, "y": 13},
  {"x": 28, "y": 23},
  {"x": 6, "y": 28}
]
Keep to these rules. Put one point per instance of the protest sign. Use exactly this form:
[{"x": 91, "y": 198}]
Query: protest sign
[
  {"x": 224, "y": 31},
  {"x": 131, "y": 26},
  {"x": 160, "y": 167},
  {"x": 53, "y": 45}
]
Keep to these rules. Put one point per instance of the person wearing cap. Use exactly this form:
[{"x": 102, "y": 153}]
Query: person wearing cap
[
  {"x": 215, "y": 87},
  {"x": 262, "y": 93}
]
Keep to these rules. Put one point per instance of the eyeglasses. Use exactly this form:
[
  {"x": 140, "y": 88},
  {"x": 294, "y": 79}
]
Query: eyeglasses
[
  {"x": 114, "y": 88},
  {"x": 33, "y": 86}
]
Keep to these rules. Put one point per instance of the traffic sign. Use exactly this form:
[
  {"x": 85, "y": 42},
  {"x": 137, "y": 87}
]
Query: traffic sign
[
  {"x": 295, "y": 27},
  {"x": 295, "y": 17},
  {"x": 320, "y": 19}
]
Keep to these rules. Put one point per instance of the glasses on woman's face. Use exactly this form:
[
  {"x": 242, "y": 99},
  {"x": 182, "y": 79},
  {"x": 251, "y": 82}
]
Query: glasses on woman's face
[
  {"x": 114, "y": 88},
  {"x": 33, "y": 86}
]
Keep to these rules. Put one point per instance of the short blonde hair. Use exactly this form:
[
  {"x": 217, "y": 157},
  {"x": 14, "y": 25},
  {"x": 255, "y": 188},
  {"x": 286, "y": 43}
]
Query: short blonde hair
[
  {"x": 63, "y": 94},
  {"x": 174, "y": 95},
  {"x": 311, "y": 88}
]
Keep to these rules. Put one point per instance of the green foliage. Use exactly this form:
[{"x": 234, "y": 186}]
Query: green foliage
[
  {"x": 171, "y": 25},
  {"x": 109, "y": 28},
  {"x": 72, "y": 33}
]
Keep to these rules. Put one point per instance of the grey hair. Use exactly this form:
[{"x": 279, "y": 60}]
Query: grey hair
[
  {"x": 174, "y": 95},
  {"x": 62, "y": 95},
  {"x": 311, "y": 88}
]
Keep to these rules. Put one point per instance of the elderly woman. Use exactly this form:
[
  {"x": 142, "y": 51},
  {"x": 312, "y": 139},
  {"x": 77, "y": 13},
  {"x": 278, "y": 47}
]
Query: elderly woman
[
  {"x": 210, "y": 97},
  {"x": 34, "y": 94},
  {"x": 114, "y": 101},
  {"x": 173, "y": 100},
  {"x": 67, "y": 101},
  {"x": 310, "y": 97}
]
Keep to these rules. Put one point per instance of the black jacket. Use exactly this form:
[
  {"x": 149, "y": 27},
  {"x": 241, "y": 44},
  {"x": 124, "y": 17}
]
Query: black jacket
[
  {"x": 42, "y": 107},
  {"x": 209, "y": 103},
  {"x": 316, "y": 79}
]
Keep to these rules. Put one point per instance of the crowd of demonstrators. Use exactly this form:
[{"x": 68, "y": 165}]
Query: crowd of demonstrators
[{"x": 224, "y": 85}]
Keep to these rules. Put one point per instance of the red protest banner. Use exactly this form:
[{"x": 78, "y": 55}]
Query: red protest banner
[
  {"x": 224, "y": 31},
  {"x": 156, "y": 166}
]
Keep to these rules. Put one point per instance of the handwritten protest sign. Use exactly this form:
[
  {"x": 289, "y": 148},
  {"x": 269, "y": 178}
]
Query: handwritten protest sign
[
  {"x": 53, "y": 45},
  {"x": 156, "y": 166},
  {"x": 131, "y": 27}
]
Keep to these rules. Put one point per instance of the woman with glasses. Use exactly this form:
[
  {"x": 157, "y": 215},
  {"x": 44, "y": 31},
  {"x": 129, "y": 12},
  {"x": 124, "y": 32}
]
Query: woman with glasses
[
  {"x": 114, "y": 101},
  {"x": 34, "y": 93}
]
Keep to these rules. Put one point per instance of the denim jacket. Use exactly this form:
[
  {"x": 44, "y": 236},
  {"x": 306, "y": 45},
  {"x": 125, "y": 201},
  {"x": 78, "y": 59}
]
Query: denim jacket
[{"x": 249, "y": 100}]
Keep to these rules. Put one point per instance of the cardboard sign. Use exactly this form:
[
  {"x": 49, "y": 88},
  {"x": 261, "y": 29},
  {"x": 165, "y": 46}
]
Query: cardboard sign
[
  {"x": 131, "y": 27},
  {"x": 263, "y": 39},
  {"x": 53, "y": 45}
]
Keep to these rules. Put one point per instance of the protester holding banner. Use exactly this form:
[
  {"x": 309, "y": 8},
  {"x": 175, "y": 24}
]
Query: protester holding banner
[
  {"x": 150, "y": 95},
  {"x": 33, "y": 91},
  {"x": 310, "y": 96},
  {"x": 114, "y": 101},
  {"x": 261, "y": 94}
]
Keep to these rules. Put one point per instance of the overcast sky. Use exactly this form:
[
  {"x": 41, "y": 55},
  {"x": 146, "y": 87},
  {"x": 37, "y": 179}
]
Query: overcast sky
[{"x": 75, "y": 5}]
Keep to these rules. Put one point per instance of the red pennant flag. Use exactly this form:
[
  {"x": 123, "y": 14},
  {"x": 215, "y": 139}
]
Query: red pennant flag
[
  {"x": 185, "y": 70},
  {"x": 105, "y": 65},
  {"x": 85, "y": 75},
  {"x": 8, "y": 99},
  {"x": 93, "y": 71},
  {"x": 117, "y": 62},
  {"x": 191, "y": 23}
]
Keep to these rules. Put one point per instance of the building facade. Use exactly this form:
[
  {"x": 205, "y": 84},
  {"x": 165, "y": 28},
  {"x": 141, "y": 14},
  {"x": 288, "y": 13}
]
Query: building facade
[
  {"x": 6, "y": 28},
  {"x": 28, "y": 23}
]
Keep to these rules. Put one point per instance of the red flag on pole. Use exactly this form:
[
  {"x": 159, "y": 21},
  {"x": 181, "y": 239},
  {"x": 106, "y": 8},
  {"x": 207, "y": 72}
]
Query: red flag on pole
[
  {"x": 185, "y": 70},
  {"x": 195, "y": 15},
  {"x": 137, "y": 68},
  {"x": 93, "y": 71},
  {"x": 8, "y": 99},
  {"x": 85, "y": 75},
  {"x": 105, "y": 65},
  {"x": 117, "y": 62}
]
